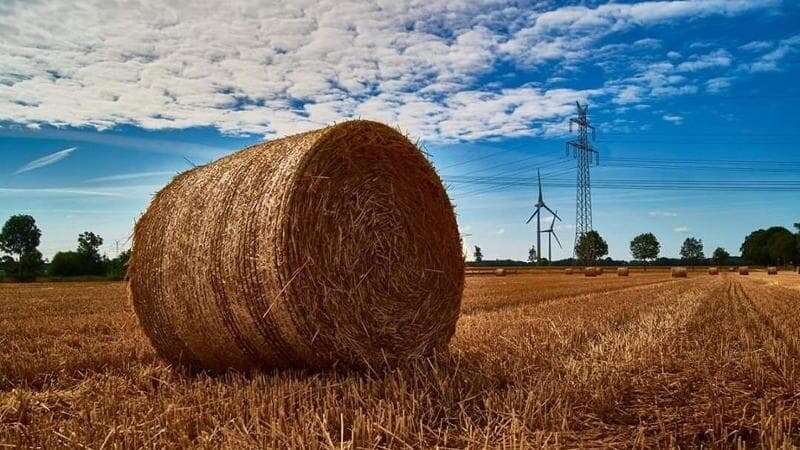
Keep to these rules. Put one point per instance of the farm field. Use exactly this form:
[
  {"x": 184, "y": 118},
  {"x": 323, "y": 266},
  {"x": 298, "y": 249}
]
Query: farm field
[{"x": 537, "y": 360}]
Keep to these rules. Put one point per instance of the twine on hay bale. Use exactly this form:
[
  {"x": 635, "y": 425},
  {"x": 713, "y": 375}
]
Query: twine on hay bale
[
  {"x": 744, "y": 270},
  {"x": 500, "y": 272},
  {"x": 679, "y": 272},
  {"x": 334, "y": 247},
  {"x": 713, "y": 271},
  {"x": 772, "y": 270},
  {"x": 622, "y": 271}
]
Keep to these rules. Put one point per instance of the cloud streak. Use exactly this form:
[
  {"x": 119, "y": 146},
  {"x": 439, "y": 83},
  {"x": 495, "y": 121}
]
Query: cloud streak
[
  {"x": 46, "y": 160},
  {"x": 131, "y": 176}
]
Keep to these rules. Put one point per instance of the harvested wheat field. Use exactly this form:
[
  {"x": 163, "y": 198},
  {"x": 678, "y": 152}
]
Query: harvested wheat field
[{"x": 537, "y": 360}]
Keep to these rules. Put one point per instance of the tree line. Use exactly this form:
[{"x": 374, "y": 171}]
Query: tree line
[
  {"x": 22, "y": 260},
  {"x": 773, "y": 246}
]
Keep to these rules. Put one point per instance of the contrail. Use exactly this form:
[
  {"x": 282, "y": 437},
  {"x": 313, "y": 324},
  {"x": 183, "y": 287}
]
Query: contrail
[{"x": 46, "y": 160}]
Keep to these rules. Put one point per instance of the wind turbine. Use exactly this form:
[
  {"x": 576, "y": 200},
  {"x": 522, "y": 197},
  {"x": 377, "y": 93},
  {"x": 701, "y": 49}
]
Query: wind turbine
[
  {"x": 537, "y": 213},
  {"x": 551, "y": 233}
]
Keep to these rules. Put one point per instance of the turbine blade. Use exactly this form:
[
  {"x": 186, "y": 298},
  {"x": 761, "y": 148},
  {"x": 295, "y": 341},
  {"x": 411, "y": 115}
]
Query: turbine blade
[
  {"x": 532, "y": 216},
  {"x": 557, "y": 241},
  {"x": 553, "y": 212}
]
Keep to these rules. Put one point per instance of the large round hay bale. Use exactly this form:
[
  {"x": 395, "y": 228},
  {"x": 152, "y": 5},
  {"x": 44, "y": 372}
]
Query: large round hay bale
[
  {"x": 334, "y": 247},
  {"x": 744, "y": 270},
  {"x": 679, "y": 272},
  {"x": 599, "y": 270},
  {"x": 500, "y": 272},
  {"x": 713, "y": 271},
  {"x": 568, "y": 271},
  {"x": 772, "y": 270},
  {"x": 622, "y": 271},
  {"x": 590, "y": 271},
  {"x": 731, "y": 269}
]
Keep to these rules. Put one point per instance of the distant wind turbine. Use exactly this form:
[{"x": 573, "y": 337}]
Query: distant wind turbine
[{"x": 537, "y": 213}]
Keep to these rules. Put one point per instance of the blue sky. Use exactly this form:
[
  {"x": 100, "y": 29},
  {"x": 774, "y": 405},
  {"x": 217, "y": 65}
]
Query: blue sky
[{"x": 101, "y": 104}]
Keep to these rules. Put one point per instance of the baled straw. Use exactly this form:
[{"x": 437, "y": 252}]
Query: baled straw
[
  {"x": 334, "y": 247},
  {"x": 590, "y": 271},
  {"x": 568, "y": 271},
  {"x": 731, "y": 269},
  {"x": 713, "y": 271},
  {"x": 679, "y": 272},
  {"x": 772, "y": 270},
  {"x": 744, "y": 270},
  {"x": 500, "y": 272},
  {"x": 622, "y": 271}
]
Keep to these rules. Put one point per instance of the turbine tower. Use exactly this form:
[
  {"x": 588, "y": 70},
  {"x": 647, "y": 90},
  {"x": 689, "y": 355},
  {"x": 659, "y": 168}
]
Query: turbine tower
[
  {"x": 551, "y": 233},
  {"x": 537, "y": 213},
  {"x": 582, "y": 151}
]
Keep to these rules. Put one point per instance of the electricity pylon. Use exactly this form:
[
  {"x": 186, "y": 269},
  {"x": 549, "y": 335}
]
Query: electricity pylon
[
  {"x": 536, "y": 213},
  {"x": 582, "y": 151}
]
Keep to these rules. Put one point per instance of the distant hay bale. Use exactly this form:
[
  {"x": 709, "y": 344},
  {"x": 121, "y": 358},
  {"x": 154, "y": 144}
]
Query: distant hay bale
[
  {"x": 744, "y": 270},
  {"x": 622, "y": 271},
  {"x": 590, "y": 271},
  {"x": 568, "y": 271},
  {"x": 731, "y": 269},
  {"x": 599, "y": 270},
  {"x": 334, "y": 247},
  {"x": 713, "y": 271},
  {"x": 772, "y": 270},
  {"x": 679, "y": 272},
  {"x": 500, "y": 272}
]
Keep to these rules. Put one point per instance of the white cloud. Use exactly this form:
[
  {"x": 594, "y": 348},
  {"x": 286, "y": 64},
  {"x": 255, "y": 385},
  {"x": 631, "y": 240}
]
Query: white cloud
[
  {"x": 756, "y": 46},
  {"x": 673, "y": 118},
  {"x": 46, "y": 160},
  {"x": 770, "y": 61},
  {"x": 673, "y": 55},
  {"x": 131, "y": 176},
  {"x": 275, "y": 68},
  {"x": 719, "y": 58},
  {"x": 719, "y": 84},
  {"x": 500, "y": 231},
  {"x": 682, "y": 229},
  {"x": 662, "y": 214}
]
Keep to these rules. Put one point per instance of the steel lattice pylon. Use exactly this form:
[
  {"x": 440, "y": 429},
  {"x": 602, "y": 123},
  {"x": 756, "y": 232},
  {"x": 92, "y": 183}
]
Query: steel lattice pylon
[{"x": 582, "y": 151}]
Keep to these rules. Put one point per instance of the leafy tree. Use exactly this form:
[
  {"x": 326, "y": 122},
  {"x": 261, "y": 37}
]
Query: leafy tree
[
  {"x": 645, "y": 247},
  {"x": 532, "y": 254},
  {"x": 89, "y": 244},
  {"x": 720, "y": 256},
  {"x": 770, "y": 246},
  {"x": 782, "y": 248},
  {"x": 86, "y": 260},
  {"x": 590, "y": 247},
  {"x": 692, "y": 250},
  {"x": 118, "y": 266},
  {"x": 20, "y": 236},
  {"x": 67, "y": 264},
  {"x": 478, "y": 254}
]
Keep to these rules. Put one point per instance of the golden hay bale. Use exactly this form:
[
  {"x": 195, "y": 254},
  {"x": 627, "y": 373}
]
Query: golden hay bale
[
  {"x": 772, "y": 270},
  {"x": 590, "y": 271},
  {"x": 713, "y": 270},
  {"x": 731, "y": 269},
  {"x": 500, "y": 272},
  {"x": 622, "y": 271},
  {"x": 599, "y": 270},
  {"x": 568, "y": 271},
  {"x": 334, "y": 247},
  {"x": 744, "y": 270},
  {"x": 679, "y": 272}
]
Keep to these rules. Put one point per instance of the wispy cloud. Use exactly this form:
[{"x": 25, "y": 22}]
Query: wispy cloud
[
  {"x": 682, "y": 229},
  {"x": 673, "y": 118},
  {"x": 662, "y": 214},
  {"x": 46, "y": 160},
  {"x": 49, "y": 192},
  {"x": 130, "y": 176}
]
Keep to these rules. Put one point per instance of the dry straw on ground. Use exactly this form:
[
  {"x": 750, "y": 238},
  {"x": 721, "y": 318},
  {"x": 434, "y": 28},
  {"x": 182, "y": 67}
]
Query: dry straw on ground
[
  {"x": 744, "y": 270},
  {"x": 713, "y": 270},
  {"x": 679, "y": 272},
  {"x": 622, "y": 271},
  {"x": 336, "y": 246},
  {"x": 772, "y": 270}
]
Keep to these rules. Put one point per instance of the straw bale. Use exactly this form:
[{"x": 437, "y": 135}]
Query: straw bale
[
  {"x": 568, "y": 271},
  {"x": 500, "y": 272},
  {"x": 334, "y": 247},
  {"x": 713, "y": 270},
  {"x": 744, "y": 270},
  {"x": 679, "y": 272},
  {"x": 590, "y": 271},
  {"x": 772, "y": 270},
  {"x": 622, "y": 271}
]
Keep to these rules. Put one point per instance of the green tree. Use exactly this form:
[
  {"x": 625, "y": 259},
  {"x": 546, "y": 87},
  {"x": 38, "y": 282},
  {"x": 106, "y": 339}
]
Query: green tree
[
  {"x": 20, "y": 236},
  {"x": 782, "y": 248},
  {"x": 478, "y": 254},
  {"x": 645, "y": 247},
  {"x": 770, "y": 246},
  {"x": 720, "y": 256},
  {"x": 590, "y": 247},
  {"x": 532, "y": 254},
  {"x": 118, "y": 266},
  {"x": 692, "y": 250}
]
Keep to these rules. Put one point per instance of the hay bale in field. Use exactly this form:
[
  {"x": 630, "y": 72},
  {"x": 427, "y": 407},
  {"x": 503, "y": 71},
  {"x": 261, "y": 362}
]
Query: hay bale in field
[
  {"x": 334, "y": 247},
  {"x": 568, "y": 271},
  {"x": 622, "y": 271},
  {"x": 744, "y": 270},
  {"x": 599, "y": 270},
  {"x": 679, "y": 272},
  {"x": 590, "y": 271},
  {"x": 731, "y": 269},
  {"x": 500, "y": 272},
  {"x": 772, "y": 270},
  {"x": 713, "y": 271}
]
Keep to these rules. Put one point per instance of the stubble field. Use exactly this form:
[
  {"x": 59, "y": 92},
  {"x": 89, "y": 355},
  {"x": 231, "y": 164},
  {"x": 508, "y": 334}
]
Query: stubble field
[{"x": 537, "y": 360}]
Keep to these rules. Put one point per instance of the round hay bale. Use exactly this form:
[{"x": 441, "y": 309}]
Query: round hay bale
[
  {"x": 744, "y": 270},
  {"x": 590, "y": 271},
  {"x": 622, "y": 271},
  {"x": 334, "y": 247},
  {"x": 500, "y": 272},
  {"x": 731, "y": 269},
  {"x": 679, "y": 272},
  {"x": 772, "y": 270},
  {"x": 713, "y": 271},
  {"x": 568, "y": 271}
]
